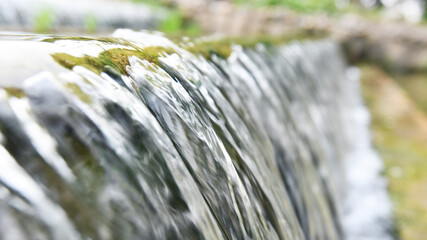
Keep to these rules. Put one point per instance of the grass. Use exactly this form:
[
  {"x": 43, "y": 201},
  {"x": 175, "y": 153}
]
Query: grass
[
  {"x": 416, "y": 85},
  {"x": 406, "y": 165},
  {"x": 174, "y": 23},
  {"x": 177, "y": 24},
  {"x": 44, "y": 20},
  {"x": 297, "y": 5},
  {"x": 316, "y": 6},
  {"x": 153, "y": 3},
  {"x": 399, "y": 130},
  {"x": 91, "y": 24}
]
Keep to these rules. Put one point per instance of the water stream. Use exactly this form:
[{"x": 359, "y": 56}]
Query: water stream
[{"x": 137, "y": 137}]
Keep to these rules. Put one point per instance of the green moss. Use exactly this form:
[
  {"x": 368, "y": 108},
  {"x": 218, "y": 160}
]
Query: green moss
[
  {"x": 15, "y": 92},
  {"x": 116, "y": 58},
  {"x": 119, "y": 58},
  {"x": 69, "y": 61},
  {"x": 54, "y": 38},
  {"x": 207, "y": 49},
  {"x": 75, "y": 89},
  {"x": 223, "y": 47}
]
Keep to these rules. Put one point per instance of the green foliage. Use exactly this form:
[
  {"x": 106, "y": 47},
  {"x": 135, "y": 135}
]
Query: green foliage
[
  {"x": 164, "y": 4},
  {"x": 91, "y": 24},
  {"x": 176, "y": 23},
  {"x": 154, "y": 3},
  {"x": 192, "y": 29},
  {"x": 173, "y": 23},
  {"x": 44, "y": 20},
  {"x": 298, "y": 5}
]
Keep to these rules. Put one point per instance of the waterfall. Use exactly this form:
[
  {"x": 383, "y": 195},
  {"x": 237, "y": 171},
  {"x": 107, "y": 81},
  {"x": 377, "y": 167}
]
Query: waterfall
[{"x": 141, "y": 137}]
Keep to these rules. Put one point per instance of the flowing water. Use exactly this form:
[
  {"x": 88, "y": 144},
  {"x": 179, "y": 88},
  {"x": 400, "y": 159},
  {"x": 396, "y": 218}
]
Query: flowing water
[{"x": 136, "y": 137}]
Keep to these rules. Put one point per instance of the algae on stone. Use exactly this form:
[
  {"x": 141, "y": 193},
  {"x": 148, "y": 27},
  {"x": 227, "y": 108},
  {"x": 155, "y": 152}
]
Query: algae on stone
[
  {"x": 116, "y": 58},
  {"x": 223, "y": 47},
  {"x": 76, "y": 90},
  {"x": 15, "y": 92}
]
